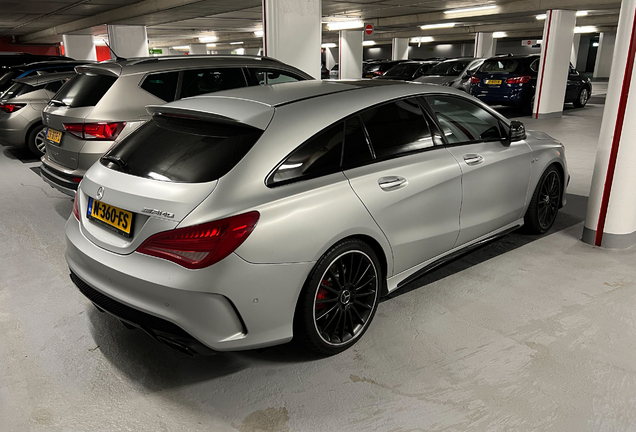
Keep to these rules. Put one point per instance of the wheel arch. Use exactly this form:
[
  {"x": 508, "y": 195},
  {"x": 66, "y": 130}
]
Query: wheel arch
[
  {"x": 29, "y": 129},
  {"x": 379, "y": 252}
]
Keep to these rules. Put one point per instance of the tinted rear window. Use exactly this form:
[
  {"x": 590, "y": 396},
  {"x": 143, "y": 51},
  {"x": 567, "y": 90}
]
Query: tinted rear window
[
  {"x": 406, "y": 69},
  {"x": 182, "y": 150},
  {"x": 499, "y": 65},
  {"x": 17, "y": 89},
  {"x": 451, "y": 68},
  {"x": 84, "y": 90}
]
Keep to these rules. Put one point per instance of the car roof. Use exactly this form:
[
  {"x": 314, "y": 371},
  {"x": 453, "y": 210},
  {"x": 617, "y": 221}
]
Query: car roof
[
  {"x": 151, "y": 64},
  {"x": 514, "y": 57},
  {"x": 45, "y": 79}
]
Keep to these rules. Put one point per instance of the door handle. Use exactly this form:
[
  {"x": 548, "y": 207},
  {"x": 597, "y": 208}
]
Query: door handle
[
  {"x": 392, "y": 183},
  {"x": 473, "y": 159}
]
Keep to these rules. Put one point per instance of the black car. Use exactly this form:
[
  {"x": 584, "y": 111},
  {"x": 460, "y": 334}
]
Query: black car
[
  {"x": 7, "y": 75},
  {"x": 512, "y": 80},
  {"x": 373, "y": 69},
  {"x": 7, "y": 60},
  {"x": 409, "y": 70}
]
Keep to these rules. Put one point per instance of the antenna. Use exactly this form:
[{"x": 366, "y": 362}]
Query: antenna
[{"x": 111, "y": 50}]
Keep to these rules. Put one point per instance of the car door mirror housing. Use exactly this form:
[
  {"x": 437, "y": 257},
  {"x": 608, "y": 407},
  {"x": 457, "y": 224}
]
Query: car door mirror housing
[{"x": 517, "y": 131}]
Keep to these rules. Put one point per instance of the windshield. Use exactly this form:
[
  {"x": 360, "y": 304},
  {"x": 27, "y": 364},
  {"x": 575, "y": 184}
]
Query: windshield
[
  {"x": 406, "y": 69},
  {"x": 450, "y": 68},
  {"x": 499, "y": 65}
]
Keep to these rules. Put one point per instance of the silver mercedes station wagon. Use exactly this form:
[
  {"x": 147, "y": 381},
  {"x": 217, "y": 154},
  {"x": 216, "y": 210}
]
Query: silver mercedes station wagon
[{"x": 245, "y": 218}]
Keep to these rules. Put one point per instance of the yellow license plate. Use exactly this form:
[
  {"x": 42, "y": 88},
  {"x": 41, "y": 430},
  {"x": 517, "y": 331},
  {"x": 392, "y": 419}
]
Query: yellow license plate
[
  {"x": 53, "y": 135},
  {"x": 113, "y": 217},
  {"x": 493, "y": 82}
]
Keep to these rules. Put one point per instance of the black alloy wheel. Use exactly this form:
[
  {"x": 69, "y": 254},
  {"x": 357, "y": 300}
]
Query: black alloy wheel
[
  {"x": 545, "y": 203},
  {"x": 582, "y": 98},
  {"x": 339, "y": 299}
]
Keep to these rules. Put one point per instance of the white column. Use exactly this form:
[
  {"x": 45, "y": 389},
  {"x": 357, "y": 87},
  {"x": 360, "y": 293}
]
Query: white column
[
  {"x": 484, "y": 45},
  {"x": 611, "y": 208},
  {"x": 558, "y": 34},
  {"x": 350, "y": 54},
  {"x": 79, "y": 47},
  {"x": 604, "y": 55},
  {"x": 128, "y": 41},
  {"x": 331, "y": 57},
  {"x": 400, "y": 49},
  {"x": 293, "y": 33},
  {"x": 576, "y": 42},
  {"x": 198, "y": 48}
]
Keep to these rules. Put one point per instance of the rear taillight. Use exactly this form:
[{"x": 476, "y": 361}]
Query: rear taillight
[
  {"x": 76, "y": 206},
  {"x": 95, "y": 131},
  {"x": 378, "y": 73},
  {"x": 202, "y": 245},
  {"x": 474, "y": 80},
  {"x": 518, "y": 80},
  {"x": 11, "y": 108}
]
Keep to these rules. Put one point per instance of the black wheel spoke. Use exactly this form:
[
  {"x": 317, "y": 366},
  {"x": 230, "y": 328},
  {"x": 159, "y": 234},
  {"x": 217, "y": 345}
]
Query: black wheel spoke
[
  {"x": 365, "y": 294},
  {"x": 362, "y": 275},
  {"x": 351, "y": 323},
  {"x": 324, "y": 301},
  {"x": 328, "y": 288},
  {"x": 362, "y": 320},
  {"x": 356, "y": 302},
  {"x": 337, "y": 321},
  {"x": 324, "y": 314},
  {"x": 334, "y": 277}
]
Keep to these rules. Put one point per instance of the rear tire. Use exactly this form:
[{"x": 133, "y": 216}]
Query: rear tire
[
  {"x": 545, "y": 202},
  {"x": 582, "y": 98},
  {"x": 339, "y": 298},
  {"x": 35, "y": 140}
]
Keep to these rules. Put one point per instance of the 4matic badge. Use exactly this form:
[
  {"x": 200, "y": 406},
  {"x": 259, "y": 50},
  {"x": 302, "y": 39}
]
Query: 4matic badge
[{"x": 158, "y": 212}]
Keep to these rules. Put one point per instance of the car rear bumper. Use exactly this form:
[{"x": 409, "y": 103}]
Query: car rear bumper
[
  {"x": 63, "y": 181},
  {"x": 232, "y": 305}
]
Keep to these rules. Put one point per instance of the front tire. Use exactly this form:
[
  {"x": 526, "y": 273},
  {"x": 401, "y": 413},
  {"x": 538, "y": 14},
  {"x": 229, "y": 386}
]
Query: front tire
[
  {"x": 35, "y": 140},
  {"x": 582, "y": 98},
  {"x": 544, "y": 206},
  {"x": 339, "y": 299}
]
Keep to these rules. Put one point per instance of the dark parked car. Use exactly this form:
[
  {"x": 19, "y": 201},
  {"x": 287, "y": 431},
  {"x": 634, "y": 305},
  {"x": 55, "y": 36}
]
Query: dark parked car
[
  {"x": 512, "y": 80},
  {"x": 7, "y": 75},
  {"x": 409, "y": 70},
  {"x": 373, "y": 69}
]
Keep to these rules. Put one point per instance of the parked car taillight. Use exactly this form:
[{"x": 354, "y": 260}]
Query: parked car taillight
[
  {"x": 11, "y": 108},
  {"x": 378, "y": 73},
  {"x": 202, "y": 245},
  {"x": 474, "y": 80},
  {"x": 95, "y": 131},
  {"x": 518, "y": 80}
]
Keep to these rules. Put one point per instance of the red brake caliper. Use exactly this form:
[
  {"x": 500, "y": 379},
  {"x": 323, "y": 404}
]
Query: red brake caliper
[{"x": 322, "y": 294}]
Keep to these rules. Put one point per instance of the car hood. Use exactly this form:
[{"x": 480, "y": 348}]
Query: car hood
[{"x": 436, "y": 79}]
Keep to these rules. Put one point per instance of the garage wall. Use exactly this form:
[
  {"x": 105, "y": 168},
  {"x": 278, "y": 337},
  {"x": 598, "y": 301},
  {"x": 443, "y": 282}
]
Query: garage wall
[{"x": 514, "y": 46}]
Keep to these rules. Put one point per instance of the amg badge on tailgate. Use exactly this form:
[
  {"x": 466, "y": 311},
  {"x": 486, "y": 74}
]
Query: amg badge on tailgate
[{"x": 158, "y": 212}]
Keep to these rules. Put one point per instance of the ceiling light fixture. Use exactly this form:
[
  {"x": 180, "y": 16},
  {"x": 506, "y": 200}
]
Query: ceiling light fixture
[
  {"x": 585, "y": 29},
  {"x": 436, "y": 26},
  {"x": 422, "y": 39},
  {"x": 181, "y": 47},
  {"x": 259, "y": 33},
  {"x": 581, "y": 13},
  {"x": 542, "y": 16},
  {"x": 368, "y": 43},
  {"x": 345, "y": 25},
  {"x": 206, "y": 39},
  {"x": 471, "y": 9},
  {"x": 329, "y": 45},
  {"x": 210, "y": 45},
  {"x": 499, "y": 35},
  {"x": 236, "y": 43}
]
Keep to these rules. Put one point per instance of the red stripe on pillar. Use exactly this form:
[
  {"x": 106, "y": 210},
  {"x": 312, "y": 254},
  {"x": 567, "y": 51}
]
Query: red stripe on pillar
[
  {"x": 618, "y": 130},
  {"x": 340, "y": 54},
  {"x": 264, "y": 29},
  {"x": 545, "y": 56}
]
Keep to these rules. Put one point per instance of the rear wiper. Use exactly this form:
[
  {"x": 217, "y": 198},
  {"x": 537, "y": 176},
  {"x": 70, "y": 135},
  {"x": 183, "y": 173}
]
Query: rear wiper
[{"x": 116, "y": 160}]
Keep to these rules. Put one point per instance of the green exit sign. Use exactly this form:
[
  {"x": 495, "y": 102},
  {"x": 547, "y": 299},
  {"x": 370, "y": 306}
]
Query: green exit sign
[{"x": 155, "y": 51}]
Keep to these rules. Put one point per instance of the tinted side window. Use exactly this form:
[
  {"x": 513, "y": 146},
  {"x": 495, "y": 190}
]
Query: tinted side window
[
  {"x": 319, "y": 155},
  {"x": 162, "y": 85},
  {"x": 397, "y": 128},
  {"x": 463, "y": 121},
  {"x": 54, "y": 86},
  {"x": 84, "y": 90},
  {"x": 200, "y": 81},
  {"x": 268, "y": 76},
  {"x": 356, "y": 147}
]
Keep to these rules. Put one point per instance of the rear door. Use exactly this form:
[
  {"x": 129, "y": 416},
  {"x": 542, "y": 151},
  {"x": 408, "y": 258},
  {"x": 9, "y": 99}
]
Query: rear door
[
  {"x": 495, "y": 175},
  {"x": 411, "y": 184},
  {"x": 72, "y": 104}
]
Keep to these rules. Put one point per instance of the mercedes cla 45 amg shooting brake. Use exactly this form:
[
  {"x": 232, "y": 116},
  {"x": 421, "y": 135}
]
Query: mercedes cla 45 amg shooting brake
[{"x": 248, "y": 217}]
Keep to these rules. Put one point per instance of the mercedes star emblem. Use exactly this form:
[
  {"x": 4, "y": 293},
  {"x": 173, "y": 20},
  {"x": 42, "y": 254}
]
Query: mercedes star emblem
[{"x": 100, "y": 193}]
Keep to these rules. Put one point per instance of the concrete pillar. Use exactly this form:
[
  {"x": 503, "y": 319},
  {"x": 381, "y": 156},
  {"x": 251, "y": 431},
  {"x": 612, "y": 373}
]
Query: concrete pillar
[
  {"x": 331, "y": 57},
  {"x": 79, "y": 47},
  {"x": 350, "y": 54},
  {"x": 558, "y": 34},
  {"x": 484, "y": 45},
  {"x": 400, "y": 49},
  {"x": 128, "y": 41},
  {"x": 293, "y": 33},
  {"x": 611, "y": 208},
  {"x": 604, "y": 55},
  {"x": 576, "y": 42},
  {"x": 197, "y": 48}
]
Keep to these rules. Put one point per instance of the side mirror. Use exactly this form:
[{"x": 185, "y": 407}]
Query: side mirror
[{"x": 517, "y": 131}]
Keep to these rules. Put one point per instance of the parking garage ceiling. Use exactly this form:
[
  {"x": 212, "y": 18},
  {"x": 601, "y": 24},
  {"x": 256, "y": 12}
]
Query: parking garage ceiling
[{"x": 172, "y": 22}]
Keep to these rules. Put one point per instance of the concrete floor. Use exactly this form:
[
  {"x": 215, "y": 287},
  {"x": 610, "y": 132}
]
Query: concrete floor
[{"x": 540, "y": 337}]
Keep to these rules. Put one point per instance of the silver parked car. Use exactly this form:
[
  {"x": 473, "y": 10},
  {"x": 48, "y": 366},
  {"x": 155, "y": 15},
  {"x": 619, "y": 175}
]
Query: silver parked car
[
  {"x": 21, "y": 109},
  {"x": 452, "y": 73},
  {"x": 244, "y": 218},
  {"x": 106, "y": 101}
]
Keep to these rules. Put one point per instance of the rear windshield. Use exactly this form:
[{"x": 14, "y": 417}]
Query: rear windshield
[
  {"x": 17, "y": 89},
  {"x": 499, "y": 65},
  {"x": 84, "y": 90},
  {"x": 182, "y": 150},
  {"x": 406, "y": 69},
  {"x": 451, "y": 68}
]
